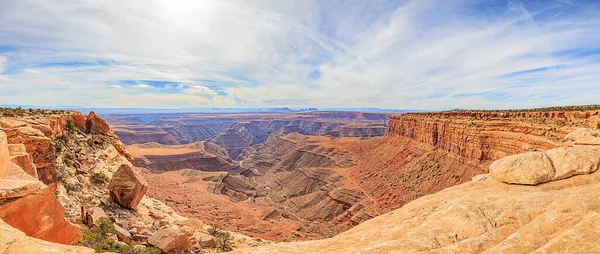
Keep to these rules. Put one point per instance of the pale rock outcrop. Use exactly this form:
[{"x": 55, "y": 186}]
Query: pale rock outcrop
[
  {"x": 540, "y": 167},
  {"x": 528, "y": 168},
  {"x": 584, "y": 136},
  {"x": 172, "y": 239},
  {"x": 127, "y": 186},
  {"x": 14, "y": 241}
]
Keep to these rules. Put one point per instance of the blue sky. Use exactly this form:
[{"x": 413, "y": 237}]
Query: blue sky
[{"x": 423, "y": 54}]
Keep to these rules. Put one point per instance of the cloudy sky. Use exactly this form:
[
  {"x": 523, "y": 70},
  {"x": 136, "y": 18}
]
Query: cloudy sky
[{"x": 422, "y": 54}]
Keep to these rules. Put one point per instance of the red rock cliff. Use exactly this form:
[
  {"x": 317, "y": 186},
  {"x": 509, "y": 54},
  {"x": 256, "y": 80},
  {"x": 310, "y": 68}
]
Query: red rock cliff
[{"x": 480, "y": 137}]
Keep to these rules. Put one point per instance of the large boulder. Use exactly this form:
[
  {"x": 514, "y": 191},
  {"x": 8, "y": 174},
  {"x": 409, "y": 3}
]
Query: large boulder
[
  {"x": 172, "y": 239},
  {"x": 540, "y": 167},
  {"x": 527, "y": 168},
  {"x": 127, "y": 186},
  {"x": 4, "y": 155},
  {"x": 95, "y": 124}
]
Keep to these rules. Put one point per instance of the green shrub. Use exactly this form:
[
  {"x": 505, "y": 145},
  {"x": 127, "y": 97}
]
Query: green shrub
[
  {"x": 214, "y": 230},
  {"x": 99, "y": 178},
  {"x": 224, "y": 241},
  {"x": 67, "y": 162},
  {"x": 71, "y": 126}
]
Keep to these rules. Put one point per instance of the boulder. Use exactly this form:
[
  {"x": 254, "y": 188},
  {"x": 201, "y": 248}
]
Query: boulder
[
  {"x": 172, "y": 239},
  {"x": 95, "y": 124},
  {"x": 207, "y": 241},
  {"x": 577, "y": 160},
  {"x": 123, "y": 151},
  {"x": 527, "y": 168},
  {"x": 540, "y": 167},
  {"x": 123, "y": 235},
  {"x": 127, "y": 186},
  {"x": 4, "y": 155}
]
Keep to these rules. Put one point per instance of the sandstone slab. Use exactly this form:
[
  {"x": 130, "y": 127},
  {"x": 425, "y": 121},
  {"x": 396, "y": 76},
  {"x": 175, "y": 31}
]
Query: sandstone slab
[
  {"x": 171, "y": 239},
  {"x": 127, "y": 186},
  {"x": 14, "y": 241},
  {"x": 540, "y": 167}
]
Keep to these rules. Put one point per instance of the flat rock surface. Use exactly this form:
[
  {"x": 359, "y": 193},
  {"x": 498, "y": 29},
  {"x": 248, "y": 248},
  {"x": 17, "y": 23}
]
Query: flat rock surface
[{"x": 477, "y": 217}]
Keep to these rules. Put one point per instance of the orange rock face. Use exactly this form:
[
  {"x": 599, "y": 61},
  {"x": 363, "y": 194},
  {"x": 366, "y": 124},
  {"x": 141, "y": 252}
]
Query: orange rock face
[
  {"x": 127, "y": 186},
  {"x": 96, "y": 124},
  {"x": 40, "y": 216},
  {"x": 19, "y": 156}
]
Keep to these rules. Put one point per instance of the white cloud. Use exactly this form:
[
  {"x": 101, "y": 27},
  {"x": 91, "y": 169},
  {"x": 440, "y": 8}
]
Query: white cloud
[{"x": 394, "y": 54}]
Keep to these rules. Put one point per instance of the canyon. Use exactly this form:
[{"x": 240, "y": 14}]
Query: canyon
[{"x": 327, "y": 182}]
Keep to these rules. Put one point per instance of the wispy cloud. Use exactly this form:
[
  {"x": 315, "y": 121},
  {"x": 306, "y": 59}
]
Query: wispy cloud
[{"x": 394, "y": 54}]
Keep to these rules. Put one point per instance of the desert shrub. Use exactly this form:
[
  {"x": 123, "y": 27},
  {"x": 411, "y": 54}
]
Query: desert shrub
[
  {"x": 224, "y": 241},
  {"x": 72, "y": 186},
  {"x": 71, "y": 126},
  {"x": 99, "y": 178},
  {"x": 58, "y": 147},
  {"x": 67, "y": 162},
  {"x": 214, "y": 230},
  {"x": 63, "y": 137}
]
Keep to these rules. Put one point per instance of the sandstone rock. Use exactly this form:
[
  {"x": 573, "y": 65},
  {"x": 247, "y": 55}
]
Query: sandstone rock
[
  {"x": 577, "y": 160},
  {"x": 96, "y": 124},
  {"x": 123, "y": 151},
  {"x": 79, "y": 121},
  {"x": 4, "y": 155},
  {"x": 476, "y": 217},
  {"x": 171, "y": 239},
  {"x": 140, "y": 237},
  {"x": 14, "y": 241},
  {"x": 528, "y": 168},
  {"x": 123, "y": 235},
  {"x": 207, "y": 241},
  {"x": 40, "y": 216},
  {"x": 539, "y": 167},
  {"x": 40, "y": 147},
  {"x": 127, "y": 186},
  {"x": 22, "y": 159},
  {"x": 585, "y": 136}
]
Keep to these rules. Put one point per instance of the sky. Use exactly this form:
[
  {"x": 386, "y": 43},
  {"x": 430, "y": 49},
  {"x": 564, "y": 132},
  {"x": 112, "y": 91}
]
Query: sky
[{"x": 422, "y": 54}]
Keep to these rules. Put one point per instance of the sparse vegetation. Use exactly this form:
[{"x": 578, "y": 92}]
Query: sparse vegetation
[
  {"x": 67, "y": 162},
  {"x": 71, "y": 126},
  {"x": 214, "y": 230},
  {"x": 224, "y": 241},
  {"x": 99, "y": 178},
  {"x": 19, "y": 111},
  {"x": 100, "y": 239}
]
